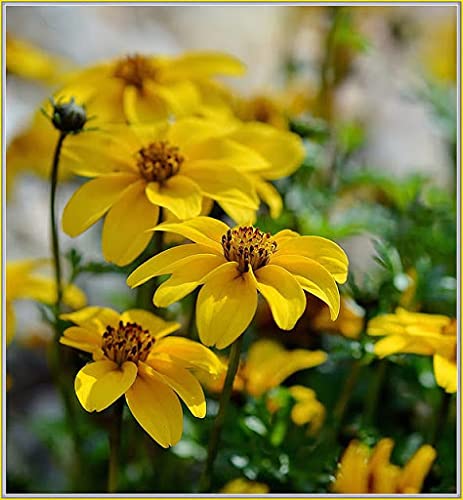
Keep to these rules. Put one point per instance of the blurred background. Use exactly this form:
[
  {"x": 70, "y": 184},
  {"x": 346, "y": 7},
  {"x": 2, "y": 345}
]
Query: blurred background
[{"x": 386, "y": 77}]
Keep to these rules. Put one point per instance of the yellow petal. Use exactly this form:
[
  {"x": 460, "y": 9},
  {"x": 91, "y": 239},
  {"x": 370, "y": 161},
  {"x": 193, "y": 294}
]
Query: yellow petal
[
  {"x": 157, "y": 326},
  {"x": 243, "y": 216},
  {"x": 93, "y": 318},
  {"x": 283, "y": 150},
  {"x": 285, "y": 234},
  {"x": 416, "y": 469},
  {"x": 224, "y": 151},
  {"x": 181, "y": 98},
  {"x": 179, "y": 194},
  {"x": 193, "y": 354},
  {"x": 324, "y": 251},
  {"x": 101, "y": 383},
  {"x": 204, "y": 230},
  {"x": 189, "y": 131},
  {"x": 142, "y": 107},
  {"x": 352, "y": 475},
  {"x": 74, "y": 297},
  {"x": 165, "y": 262},
  {"x": 390, "y": 345},
  {"x": 155, "y": 407},
  {"x": 81, "y": 338},
  {"x": 203, "y": 65},
  {"x": 283, "y": 294},
  {"x": 125, "y": 227},
  {"x": 92, "y": 200},
  {"x": 226, "y": 305},
  {"x": 271, "y": 197},
  {"x": 223, "y": 183},
  {"x": 446, "y": 373},
  {"x": 183, "y": 383},
  {"x": 185, "y": 278},
  {"x": 313, "y": 278}
]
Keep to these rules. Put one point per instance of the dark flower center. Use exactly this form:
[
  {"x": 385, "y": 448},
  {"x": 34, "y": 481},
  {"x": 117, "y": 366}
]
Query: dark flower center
[
  {"x": 248, "y": 246},
  {"x": 159, "y": 160},
  {"x": 134, "y": 70},
  {"x": 127, "y": 342}
]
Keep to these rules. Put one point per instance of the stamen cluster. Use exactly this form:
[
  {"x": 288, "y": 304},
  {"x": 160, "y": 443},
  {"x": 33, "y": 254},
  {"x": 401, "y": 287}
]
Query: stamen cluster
[
  {"x": 158, "y": 161},
  {"x": 127, "y": 342},
  {"x": 248, "y": 246},
  {"x": 134, "y": 70}
]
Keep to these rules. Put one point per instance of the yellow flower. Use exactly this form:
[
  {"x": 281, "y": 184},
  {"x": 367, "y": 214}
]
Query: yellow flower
[
  {"x": 143, "y": 88},
  {"x": 27, "y": 61},
  {"x": 267, "y": 365},
  {"x": 139, "y": 169},
  {"x": 307, "y": 409},
  {"x": 23, "y": 284},
  {"x": 132, "y": 355},
  {"x": 362, "y": 471},
  {"x": 232, "y": 265},
  {"x": 419, "y": 333},
  {"x": 241, "y": 485},
  {"x": 349, "y": 322}
]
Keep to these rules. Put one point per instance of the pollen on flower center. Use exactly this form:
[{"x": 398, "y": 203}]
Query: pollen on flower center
[
  {"x": 127, "y": 342},
  {"x": 134, "y": 70},
  {"x": 248, "y": 246},
  {"x": 158, "y": 161}
]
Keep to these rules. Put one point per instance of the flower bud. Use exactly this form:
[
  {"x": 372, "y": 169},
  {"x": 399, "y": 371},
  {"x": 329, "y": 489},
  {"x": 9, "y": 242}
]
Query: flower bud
[{"x": 69, "y": 117}]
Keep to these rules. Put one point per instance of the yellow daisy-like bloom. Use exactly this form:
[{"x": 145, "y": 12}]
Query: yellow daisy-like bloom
[
  {"x": 27, "y": 61},
  {"x": 232, "y": 265},
  {"x": 144, "y": 88},
  {"x": 132, "y": 355},
  {"x": 241, "y": 485},
  {"x": 363, "y": 471},
  {"x": 266, "y": 366},
  {"x": 418, "y": 333},
  {"x": 349, "y": 322},
  {"x": 23, "y": 284},
  {"x": 139, "y": 169}
]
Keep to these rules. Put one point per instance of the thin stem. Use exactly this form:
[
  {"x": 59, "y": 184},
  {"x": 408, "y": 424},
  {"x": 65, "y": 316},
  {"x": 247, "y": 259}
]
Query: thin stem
[
  {"x": 341, "y": 405},
  {"x": 146, "y": 291},
  {"x": 53, "y": 222},
  {"x": 371, "y": 401},
  {"x": 441, "y": 417},
  {"x": 115, "y": 445},
  {"x": 214, "y": 439}
]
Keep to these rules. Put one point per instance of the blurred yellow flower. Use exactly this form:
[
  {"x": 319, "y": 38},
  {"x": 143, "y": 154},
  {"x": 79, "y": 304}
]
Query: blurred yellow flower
[
  {"x": 132, "y": 355},
  {"x": 363, "y": 471},
  {"x": 307, "y": 409},
  {"x": 232, "y": 265},
  {"x": 23, "y": 284},
  {"x": 28, "y": 61},
  {"x": 141, "y": 168},
  {"x": 266, "y": 366},
  {"x": 144, "y": 88},
  {"x": 241, "y": 485},
  {"x": 349, "y": 322},
  {"x": 418, "y": 333}
]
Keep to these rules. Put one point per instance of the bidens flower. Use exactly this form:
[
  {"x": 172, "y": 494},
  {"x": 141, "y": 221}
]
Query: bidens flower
[
  {"x": 232, "y": 265},
  {"x": 418, "y": 333},
  {"x": 241, "y": 485},
  {"x": 362, "y": 471},
  {"x": 139, "y": 169},
  {"x": 132, "y": 355},
  {"x": 22, "y": 282},
  {"x": 144, "y": 88}
]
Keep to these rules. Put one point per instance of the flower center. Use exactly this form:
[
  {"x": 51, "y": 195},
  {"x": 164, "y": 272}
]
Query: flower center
[
  {"x": 134, "y": 70},
  {"x": 158, "y": 161},
  {"x": 127, "y": 342},
  {"x": 248, "y": 246}
]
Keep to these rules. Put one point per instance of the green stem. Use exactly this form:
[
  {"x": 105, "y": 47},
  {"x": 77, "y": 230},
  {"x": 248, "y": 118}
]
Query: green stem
[
  {"x": 374, "y": 389},
  {"x": 115, "y": 445},
  {"x": 341, "y": 405},
  {"x": 146, "y": 291},
  {"x": 214, "y": 438},
  {"x": 441, "y": 418},
  {"x": 53, "y": 222}
]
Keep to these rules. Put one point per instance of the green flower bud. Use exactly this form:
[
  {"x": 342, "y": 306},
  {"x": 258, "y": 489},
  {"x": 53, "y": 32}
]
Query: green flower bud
[{"x": 69, "y": 117}]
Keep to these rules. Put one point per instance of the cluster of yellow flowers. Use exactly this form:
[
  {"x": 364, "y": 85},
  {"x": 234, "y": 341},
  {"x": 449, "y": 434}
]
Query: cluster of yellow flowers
[{"x": 169, "y": 142}]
